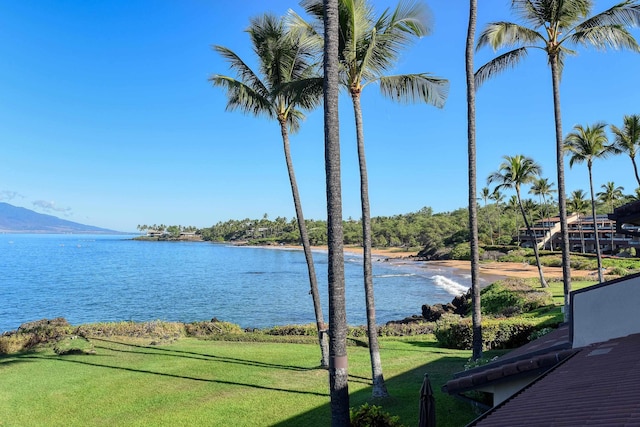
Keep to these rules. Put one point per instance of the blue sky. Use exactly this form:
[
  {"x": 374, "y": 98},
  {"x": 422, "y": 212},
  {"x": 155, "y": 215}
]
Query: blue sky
[{"x": 107, "y": 117}]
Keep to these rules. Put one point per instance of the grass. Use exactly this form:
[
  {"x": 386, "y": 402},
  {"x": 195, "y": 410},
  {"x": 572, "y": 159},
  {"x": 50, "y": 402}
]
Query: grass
[{"x": 215, "y": 383}]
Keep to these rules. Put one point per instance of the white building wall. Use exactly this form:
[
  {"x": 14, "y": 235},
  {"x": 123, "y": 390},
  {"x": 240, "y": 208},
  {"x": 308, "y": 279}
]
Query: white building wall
[{"x": 606, "y": 311}]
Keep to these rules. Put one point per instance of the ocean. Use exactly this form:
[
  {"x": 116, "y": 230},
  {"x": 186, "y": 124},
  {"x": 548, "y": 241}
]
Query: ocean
[{"x": 108, "y": 278}]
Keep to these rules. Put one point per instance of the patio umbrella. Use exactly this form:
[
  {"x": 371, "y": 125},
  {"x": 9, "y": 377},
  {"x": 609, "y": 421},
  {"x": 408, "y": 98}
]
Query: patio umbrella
[{"x": 427, "y": 404}]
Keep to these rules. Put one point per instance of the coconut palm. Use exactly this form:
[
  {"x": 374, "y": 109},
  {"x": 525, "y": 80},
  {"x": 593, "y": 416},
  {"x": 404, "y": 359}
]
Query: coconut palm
[
  {"x": 627, "y": 139},
  {"x": 553, "y": 26},
  {"x": 498, "y": 197},
  {"x": 514, "y": 172},
  {"x": 485, "y": 195},
  {"x": 577, "y": 203},
  {"x": 287, "y": 84},
  {"x": 610, "y": 194},
  {"x": 369, "y": 47},
  {"x": 542, "y": 188},
  {"x": 585, "y": 144},
  {"x": 473, "y": 211},
  {"x": 514, "y": 206},
  {"x": 338, "y": 373}
]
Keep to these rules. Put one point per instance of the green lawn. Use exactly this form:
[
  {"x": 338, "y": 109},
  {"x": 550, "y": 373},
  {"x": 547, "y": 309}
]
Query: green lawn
[{"x": 193, "y": 382}]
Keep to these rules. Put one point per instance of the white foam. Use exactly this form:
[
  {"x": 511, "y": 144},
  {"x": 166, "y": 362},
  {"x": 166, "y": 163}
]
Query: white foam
[
  {"x": 451, "y": 286},
  {"x": 395, "y": 275}
]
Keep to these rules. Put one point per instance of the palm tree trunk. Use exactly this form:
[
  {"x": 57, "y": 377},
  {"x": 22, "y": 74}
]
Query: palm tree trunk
[
  {"x": 595, "y": 226},
  {"x": 473, "y": 209},
  {"x": 562, "y": 198},
  {"x": 534, "y": 242},
  {"x": 379, "y": 388},
  {"x": 304, "y": 237},
  {"x": 338, "y": 367},
  {"x": 635, "y": 170}
]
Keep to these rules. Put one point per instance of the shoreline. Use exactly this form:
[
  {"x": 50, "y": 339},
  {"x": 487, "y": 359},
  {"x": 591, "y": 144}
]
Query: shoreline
[{"x": 495, "y": 269}]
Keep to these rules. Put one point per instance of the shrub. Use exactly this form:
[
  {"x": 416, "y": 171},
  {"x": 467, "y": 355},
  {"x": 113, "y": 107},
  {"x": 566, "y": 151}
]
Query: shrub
[
  {"x": 289, "y": 330},
  {"x": 14, "y": 342},
  {"x": 406, "y": 329},
  {"x": 212, "y": 328},
  {"x": 372, "y": 416},
  {"x": 73, "y": 345},
  {"x": 513, "y": 296},
  {"x": 154, "y": 329},
  {"x": 462, "y": 251},
  {"x": 496, "y": 333}
]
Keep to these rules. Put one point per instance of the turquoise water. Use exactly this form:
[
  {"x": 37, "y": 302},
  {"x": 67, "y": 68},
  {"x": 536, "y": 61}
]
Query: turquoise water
[{"x": 87, "y": 278}]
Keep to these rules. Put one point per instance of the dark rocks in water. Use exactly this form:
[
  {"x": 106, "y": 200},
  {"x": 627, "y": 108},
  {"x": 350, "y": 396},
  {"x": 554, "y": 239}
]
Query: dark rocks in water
[{"x": 460, "y": 305}]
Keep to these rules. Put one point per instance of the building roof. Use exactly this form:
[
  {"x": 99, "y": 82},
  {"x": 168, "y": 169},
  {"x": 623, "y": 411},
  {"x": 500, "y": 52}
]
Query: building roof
[
  {"x": 535, "y": 357},
  {"x": 597, "y": 385}
]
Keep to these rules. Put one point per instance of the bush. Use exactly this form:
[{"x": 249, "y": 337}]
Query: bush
[
  {"x": 513, "y": 296},
  {"x": 496, "y": 333},
  {"x": 212, "y": 328},
  {"x": 153, "y": 329},
  {"x": 14, "y": 342},
  {"x": 462, "y": 251},
  {"x": 372, "y": 416},
  {"x": 293, "y": 330}
]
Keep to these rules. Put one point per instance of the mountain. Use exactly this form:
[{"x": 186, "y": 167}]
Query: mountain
[{"x": 20, "y": 220}]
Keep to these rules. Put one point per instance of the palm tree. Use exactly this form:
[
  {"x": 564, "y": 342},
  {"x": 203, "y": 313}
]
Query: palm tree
[
  {"x": 627, "y": 139},
  {"x": 485, "y": 195},
  {"x": 513, "y": 173},
  {"x": 498, "y": 197},
  {"x": 610, "y": 194},
  {"x": 369, "y": 48},
  {"x": 585, "y": 144},
  {"x": 289, "y": 84},
  {"x": 542, "y": 188},
  {"x": 476, "y": 314},
  {"x": 578, "y": 204},
  {"x": 561, "y": 23},
  {"x": 514, "y": 205},
  {"x": 338, "y": 373}
]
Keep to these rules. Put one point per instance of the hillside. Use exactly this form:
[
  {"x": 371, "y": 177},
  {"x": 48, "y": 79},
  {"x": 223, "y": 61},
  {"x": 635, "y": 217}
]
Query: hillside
[{"x": 14, "y": 219}]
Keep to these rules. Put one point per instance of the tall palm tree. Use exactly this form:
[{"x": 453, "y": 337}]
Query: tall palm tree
[
  {"x": 476, "y": 315},
  {"x": 513, "y": 173},
  {"x": 542, "y": 188},
  {"x": 485, "y": 195},
  {"x": 369, "y": 47},
  {"x": 577, "y": 203},
  {"x": 585, "y": 144},
  {"x": 610, "y": 194},
  {"x": 338, "y": 372},
  {"x": 498, "y": 197},
  {"x": 287, "y": 84},
  {"x": 627, "y": 139},
  {"x": 514, "y": 205},
  {"x": 552, "y": 26}
]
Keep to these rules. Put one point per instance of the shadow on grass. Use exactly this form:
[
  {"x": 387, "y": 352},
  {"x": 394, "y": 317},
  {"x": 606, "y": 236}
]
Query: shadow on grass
[
  {"x": 167, "y": 352},
  {"x": 163, "y": 374},
  {"x": 405, "y": 398}
]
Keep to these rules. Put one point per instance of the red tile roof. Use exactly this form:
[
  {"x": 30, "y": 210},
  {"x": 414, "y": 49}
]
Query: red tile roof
[{"x": 598, "y": 385}]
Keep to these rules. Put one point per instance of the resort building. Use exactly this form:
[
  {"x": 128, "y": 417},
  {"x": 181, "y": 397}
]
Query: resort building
[{"x": 582, "y": 234}]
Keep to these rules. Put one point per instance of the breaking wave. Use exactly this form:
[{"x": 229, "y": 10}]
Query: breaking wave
[{"x": 451, "y": 286}]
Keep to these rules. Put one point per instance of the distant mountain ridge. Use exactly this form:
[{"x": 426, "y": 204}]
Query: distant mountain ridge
[{"x": 14, "y": 219}]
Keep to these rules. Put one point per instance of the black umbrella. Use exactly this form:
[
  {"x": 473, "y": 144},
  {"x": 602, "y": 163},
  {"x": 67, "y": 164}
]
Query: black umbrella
[{"x": 427, "y": 404}]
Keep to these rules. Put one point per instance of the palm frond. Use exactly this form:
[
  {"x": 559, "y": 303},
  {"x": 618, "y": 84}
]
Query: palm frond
[
  {"x": 243, "y": 71},
  {"x": 411, "y": 88},
  {"x": 626, "y": 13},
  {"x": 506, "y": 35},
  {"x": 607, "y": 36},
  {"x": 305, "y": 94},
  {"x": 243, "y": 97},
  {"x": 499, "y": 64}
]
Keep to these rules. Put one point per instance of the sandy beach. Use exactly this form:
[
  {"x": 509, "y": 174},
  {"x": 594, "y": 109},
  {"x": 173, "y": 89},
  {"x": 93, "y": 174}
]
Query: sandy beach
[{"x": 504, "y": 269}]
